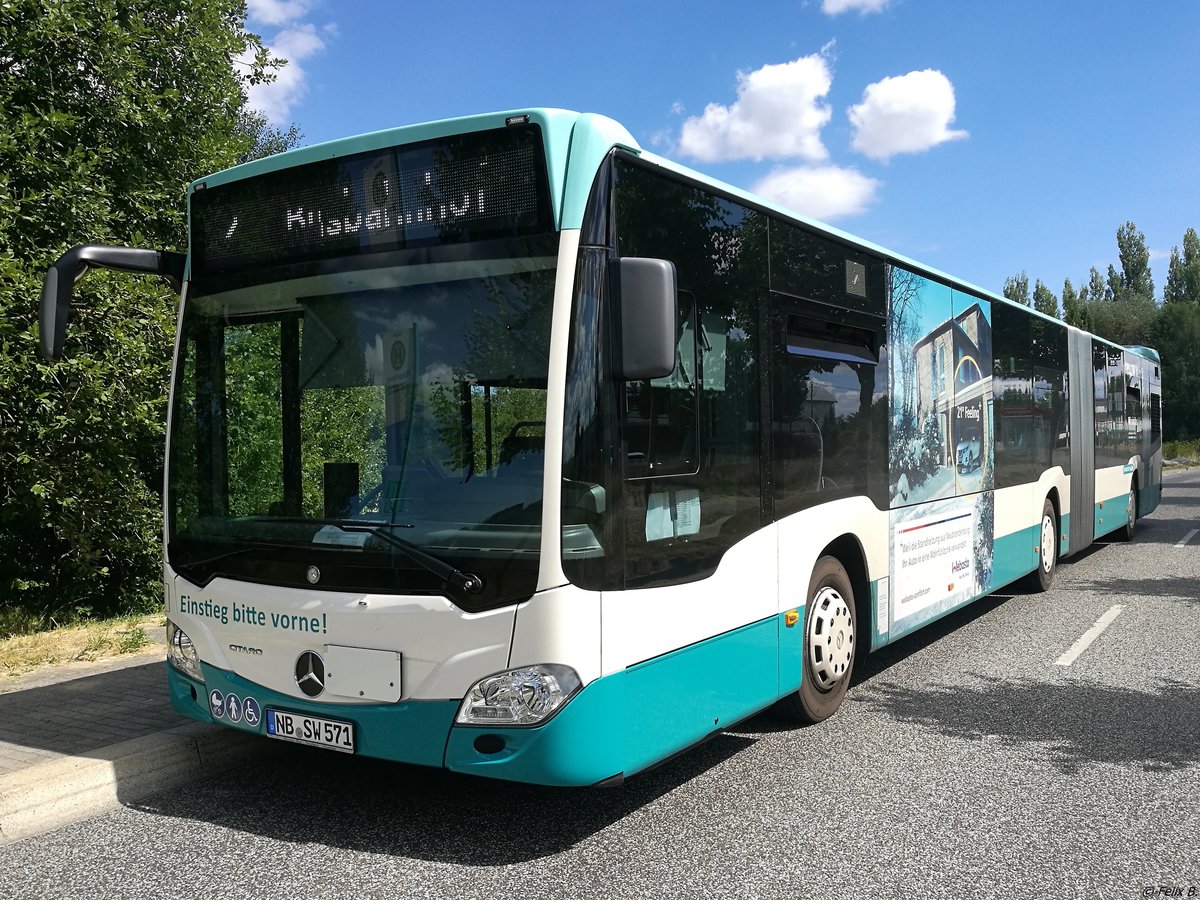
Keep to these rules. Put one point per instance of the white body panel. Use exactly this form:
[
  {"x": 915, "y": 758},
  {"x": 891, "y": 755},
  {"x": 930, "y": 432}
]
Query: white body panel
[
  {"x": 764, "y": 574},
  {"x": 643, "y": 623},
  {"x": 444, "y": 650},
  {"x": 1014, "y": 509},
  {"x": 1021, "y": 506},
  {"x": 805, "y": 534},
  {"x": 1114, "y": 481},
  {"x": 561, "y": 625}
]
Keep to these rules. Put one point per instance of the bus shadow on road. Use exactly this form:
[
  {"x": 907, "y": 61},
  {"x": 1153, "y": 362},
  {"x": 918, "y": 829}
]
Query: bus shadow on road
[
  {"x": 1075, "y": 723},
  {"x": 776, "y": 719},
  {"x": 372, "y": 806},
  {"x": 875, "y": 663},
  {"x": 1171, "y": 587},
  {"x": 1158, "y": 530}
]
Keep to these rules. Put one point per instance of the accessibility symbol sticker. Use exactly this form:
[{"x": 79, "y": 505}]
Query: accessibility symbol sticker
[
  {"x": 251, "y": 712},
  {"x": 233, "y": 708},
  {"x": 216, "y": 703}
]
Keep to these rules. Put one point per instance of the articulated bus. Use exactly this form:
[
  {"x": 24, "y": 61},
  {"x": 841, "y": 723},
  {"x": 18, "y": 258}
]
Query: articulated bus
[{"x": 502, "y": 445}]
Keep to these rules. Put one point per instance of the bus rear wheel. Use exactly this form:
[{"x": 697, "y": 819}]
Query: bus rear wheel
[
  {"x": 1043, "y": 577},
  {"x": 829, "y": 643},
  {"x": 1126, "y": 531}
]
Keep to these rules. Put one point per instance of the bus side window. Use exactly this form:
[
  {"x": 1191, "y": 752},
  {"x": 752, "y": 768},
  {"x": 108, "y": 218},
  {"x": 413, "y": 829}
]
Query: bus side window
[
  {"x": 692, "y": 442},
  {"x": 822, "y": 393}
]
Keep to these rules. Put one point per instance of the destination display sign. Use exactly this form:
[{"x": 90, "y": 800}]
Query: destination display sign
[{"x": 467, "y": 187}]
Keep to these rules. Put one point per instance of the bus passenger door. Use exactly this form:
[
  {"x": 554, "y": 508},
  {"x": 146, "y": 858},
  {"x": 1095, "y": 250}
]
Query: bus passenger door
[{"x": 827, "y": 442}]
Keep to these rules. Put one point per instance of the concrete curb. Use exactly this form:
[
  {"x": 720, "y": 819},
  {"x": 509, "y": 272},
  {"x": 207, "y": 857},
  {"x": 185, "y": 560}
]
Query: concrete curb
[{"x": 63, "y": 791}]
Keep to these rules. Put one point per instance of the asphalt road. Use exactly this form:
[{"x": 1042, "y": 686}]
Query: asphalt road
[{"x": 966, "y": 763}]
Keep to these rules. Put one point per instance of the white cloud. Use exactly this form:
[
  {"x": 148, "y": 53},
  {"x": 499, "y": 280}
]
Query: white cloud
[
  {"x": 778, "y": 114},
  {"x": 275, "y": 99},
  {"x": 836, "y": 7},
  {"x": 821, "y": 192},
  {"x": 661, "y": 139},
  {"x": 276, "y": 12},
  {"x": 904, "y": 114}
]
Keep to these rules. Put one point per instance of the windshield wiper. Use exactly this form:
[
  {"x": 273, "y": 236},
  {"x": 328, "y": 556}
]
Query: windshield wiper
[
  {"x": 465, "y": 581},
  {"x": 245, "y": 548}
]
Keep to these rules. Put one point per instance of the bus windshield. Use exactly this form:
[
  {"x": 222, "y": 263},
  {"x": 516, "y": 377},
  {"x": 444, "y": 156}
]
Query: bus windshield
[{"x": 317, "y": 417}]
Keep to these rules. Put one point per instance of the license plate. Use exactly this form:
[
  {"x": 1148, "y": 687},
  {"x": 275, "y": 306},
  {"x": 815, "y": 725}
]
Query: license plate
[{"x": 310, "y": 730}]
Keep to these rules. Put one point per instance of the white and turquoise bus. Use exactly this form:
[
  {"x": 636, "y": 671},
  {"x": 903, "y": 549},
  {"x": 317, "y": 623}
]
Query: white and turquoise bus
[{"x": 502, "y": 445}]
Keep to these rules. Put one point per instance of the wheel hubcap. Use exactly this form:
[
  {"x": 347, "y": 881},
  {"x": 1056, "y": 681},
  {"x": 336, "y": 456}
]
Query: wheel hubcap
[
  {"x": 1047, "y": 544},
  {"x": 830, "y": 638}
]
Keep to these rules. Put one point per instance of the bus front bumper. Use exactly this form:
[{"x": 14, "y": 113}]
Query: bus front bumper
[{"x": 575, "y": 748}]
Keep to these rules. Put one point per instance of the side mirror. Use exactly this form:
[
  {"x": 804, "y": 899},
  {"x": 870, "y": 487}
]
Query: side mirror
[
  {"x": 59, "y": 285},
  {"x": 645, "y": 292}
]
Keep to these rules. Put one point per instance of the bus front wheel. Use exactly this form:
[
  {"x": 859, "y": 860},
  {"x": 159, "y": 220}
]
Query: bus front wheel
[{"x": 829, "y": 639}]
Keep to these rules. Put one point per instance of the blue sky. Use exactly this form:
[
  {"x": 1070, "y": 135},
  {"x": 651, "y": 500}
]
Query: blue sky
[{"x": 979, "y": 138}]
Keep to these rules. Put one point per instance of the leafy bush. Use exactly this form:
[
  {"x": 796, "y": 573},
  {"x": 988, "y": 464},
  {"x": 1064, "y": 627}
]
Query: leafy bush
[
  {"x": 117, "y": 104},
  {"x": 1182, "y": 450}
]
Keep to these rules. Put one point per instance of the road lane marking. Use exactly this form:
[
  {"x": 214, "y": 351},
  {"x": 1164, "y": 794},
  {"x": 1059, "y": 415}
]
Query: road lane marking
[
  {"x": 1187, "y": 537},
  {"x": 1088, "y": 636}
]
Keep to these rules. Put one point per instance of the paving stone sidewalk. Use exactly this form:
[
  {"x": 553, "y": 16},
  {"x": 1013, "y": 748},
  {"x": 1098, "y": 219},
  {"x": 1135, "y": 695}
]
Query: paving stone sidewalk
[
  {"x": 108, "y": 703},
  {"x": 82, "y": 739}
]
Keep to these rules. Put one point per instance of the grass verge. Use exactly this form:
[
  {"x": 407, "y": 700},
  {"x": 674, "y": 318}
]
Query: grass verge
[
  {"x": 86, "y": 642},
  {"x": 1185, "y": 452}
]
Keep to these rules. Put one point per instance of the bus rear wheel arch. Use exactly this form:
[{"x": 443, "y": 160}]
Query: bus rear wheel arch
[{"x": 830, "y": 642}]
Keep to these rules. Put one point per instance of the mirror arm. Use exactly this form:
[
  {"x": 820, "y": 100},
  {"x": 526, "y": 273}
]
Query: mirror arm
[
  {"x": 75, "y": 263},
  {"x": 59, "y": 286}
]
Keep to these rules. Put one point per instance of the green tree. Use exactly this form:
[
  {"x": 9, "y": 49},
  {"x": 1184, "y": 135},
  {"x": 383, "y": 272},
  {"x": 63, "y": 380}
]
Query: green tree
[
  {"x": 1177, "y": 339},
  {"x": 1114, "y": 285},
  {"x": 1183, "y": 275},
  {"x": 1093, "y": 290},
  {"x": 1016, "y": 288},
  {"x": 1074, "y": 310},
  {"x": 1130, "y": 321},
  {"x": 264, "y": 138},
  {"x": 1044, "y": 300},
  {"x": 1136, "y": 280},
  {"x": 110, "y": 108}
]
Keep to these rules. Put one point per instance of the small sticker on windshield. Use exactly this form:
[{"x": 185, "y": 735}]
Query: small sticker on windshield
[{"x": 331, "y": 534}]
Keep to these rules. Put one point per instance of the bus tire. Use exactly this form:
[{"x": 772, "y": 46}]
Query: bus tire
[
  {"x": 1043, "y": 576},
  {"x": 828, "y": 643},
  {"x": 1125, "y": 532}
]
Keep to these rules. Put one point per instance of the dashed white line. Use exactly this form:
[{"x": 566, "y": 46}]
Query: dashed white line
[
  {"x": 1187, "y": 537},
  {"x": 1088, "y": 636}
]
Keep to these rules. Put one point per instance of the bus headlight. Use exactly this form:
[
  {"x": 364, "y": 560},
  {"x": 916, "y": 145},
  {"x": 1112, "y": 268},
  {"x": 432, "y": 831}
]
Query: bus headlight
[
  {"x": 182, "y": 652},
  {"x": 525, "y": 696}
]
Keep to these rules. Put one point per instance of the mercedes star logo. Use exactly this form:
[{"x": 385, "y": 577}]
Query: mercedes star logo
[
  {"x": 310, "y": 673},
  {"x": 313, "y": 574}
]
